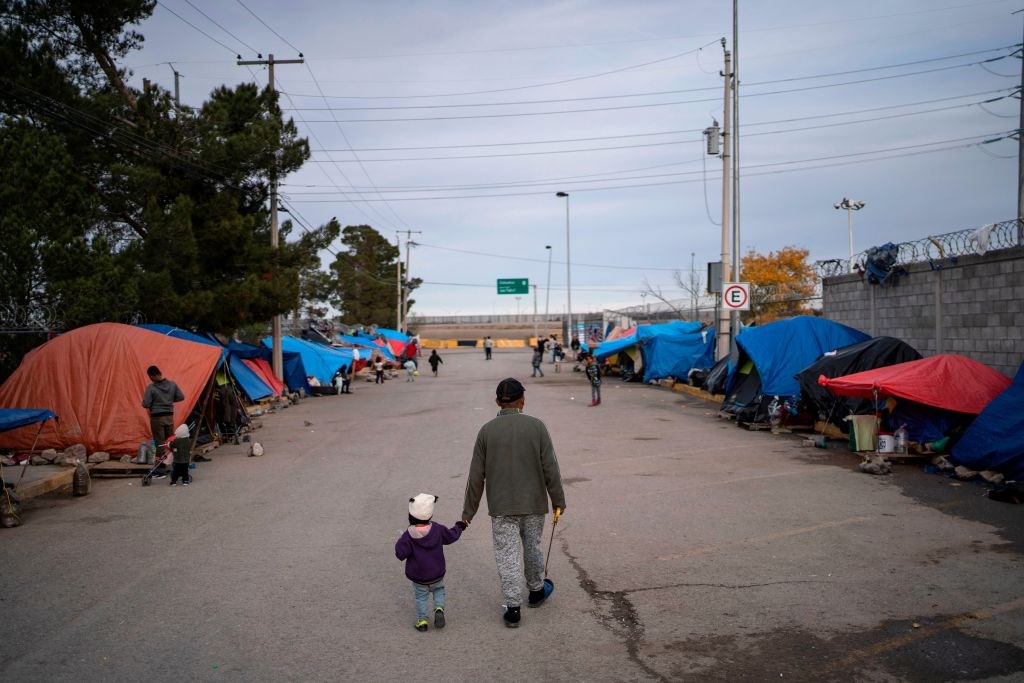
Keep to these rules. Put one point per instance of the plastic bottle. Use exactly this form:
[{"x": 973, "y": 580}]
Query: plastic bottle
[
  {"x": 899, "y": 438},
  {"x": 143, "y": 452},
  {"x": 81, "y": 481}
]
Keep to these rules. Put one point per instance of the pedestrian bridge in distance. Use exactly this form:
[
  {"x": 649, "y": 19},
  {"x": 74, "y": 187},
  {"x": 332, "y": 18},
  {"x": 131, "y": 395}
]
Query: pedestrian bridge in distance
[{"x": 475, "y": 327}]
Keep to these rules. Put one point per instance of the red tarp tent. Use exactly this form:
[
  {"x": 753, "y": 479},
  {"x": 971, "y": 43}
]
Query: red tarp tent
[
  {"x": 94, "y": 378},
  {"x": 946, "y": 381}
]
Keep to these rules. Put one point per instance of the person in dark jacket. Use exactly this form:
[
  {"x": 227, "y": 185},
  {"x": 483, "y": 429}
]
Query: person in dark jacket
[
  {"x": 181, "y": 450},
  {"x": 159, "y": 400},
  {"x": 422, "y": 548},
  {"x": 434, "y": 360}
]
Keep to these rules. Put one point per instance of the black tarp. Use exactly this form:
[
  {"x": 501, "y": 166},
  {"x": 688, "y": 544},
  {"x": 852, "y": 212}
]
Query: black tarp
[
  {"x": 866, "y": 355},
  {"x": 714, "y": 381}
]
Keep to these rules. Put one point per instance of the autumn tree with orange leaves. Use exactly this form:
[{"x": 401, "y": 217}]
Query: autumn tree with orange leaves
[{"x": 781, "y": 283}]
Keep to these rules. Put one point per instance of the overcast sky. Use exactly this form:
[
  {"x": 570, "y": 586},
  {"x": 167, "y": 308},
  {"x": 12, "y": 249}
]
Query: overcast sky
[{"x": 631, "y": 84}]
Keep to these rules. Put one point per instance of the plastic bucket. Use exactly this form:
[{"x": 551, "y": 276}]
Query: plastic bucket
[
  {"x": 863, "y": 432},
  {"x": 886, "y": 442}
]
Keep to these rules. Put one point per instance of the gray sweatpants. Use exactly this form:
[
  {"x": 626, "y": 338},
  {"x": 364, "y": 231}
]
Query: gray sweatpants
[{"x": 517, "y": 542}]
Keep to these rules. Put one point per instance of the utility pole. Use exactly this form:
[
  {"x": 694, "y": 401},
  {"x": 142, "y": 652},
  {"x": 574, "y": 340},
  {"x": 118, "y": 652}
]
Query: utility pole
[
  {"x": 1020, "y": 151},
  {"x": 177, "y": 87},
  {"x": 693, "y": 286},
  {"x": 723, "y": 315},
  {"x": 398, "y": 284},
  {"x": 536, "y": 334},
  {"x": 734, "y": 319},
  {"x": 404, "y": 291},
  {"x": 277, "y": 358}
]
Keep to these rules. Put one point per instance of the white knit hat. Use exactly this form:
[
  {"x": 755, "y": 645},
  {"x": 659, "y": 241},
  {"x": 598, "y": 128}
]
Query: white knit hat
[
  {"x": 181, "y": 432},
  {"x": 422, "y": 506}
]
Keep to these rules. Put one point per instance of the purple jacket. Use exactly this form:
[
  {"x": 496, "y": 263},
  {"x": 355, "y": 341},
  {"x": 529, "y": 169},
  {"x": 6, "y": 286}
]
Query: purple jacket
[{"x": 424, "y": 557}]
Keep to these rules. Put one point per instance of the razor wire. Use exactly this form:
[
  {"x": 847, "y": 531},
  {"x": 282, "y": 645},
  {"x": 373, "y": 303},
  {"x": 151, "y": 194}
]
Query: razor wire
[
  {"x": 17, "y": 318},
  {"x": 990, "y": 237}
]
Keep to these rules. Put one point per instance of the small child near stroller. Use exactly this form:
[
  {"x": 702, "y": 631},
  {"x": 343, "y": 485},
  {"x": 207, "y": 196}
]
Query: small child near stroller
[{"x": 179, "y": 446}]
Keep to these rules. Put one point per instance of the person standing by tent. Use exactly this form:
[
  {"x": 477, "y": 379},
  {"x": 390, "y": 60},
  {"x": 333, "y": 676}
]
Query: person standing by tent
[
  {"x": 159, "y": 400},
  {"x": 378, "y": 369},
  {"x": 488, "y": 345},
  {"x": 594, "y": 375},
  {"x": 538, "y": 357},
  {"x": 514, "y": 461},
  {"x": 434, "y": 360}
]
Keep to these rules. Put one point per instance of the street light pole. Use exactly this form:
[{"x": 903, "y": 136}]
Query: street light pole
[
  {"x": 547, "y": 295},
  {"x": 568, "y": 270},
  {"x": 850, "y": 205}
]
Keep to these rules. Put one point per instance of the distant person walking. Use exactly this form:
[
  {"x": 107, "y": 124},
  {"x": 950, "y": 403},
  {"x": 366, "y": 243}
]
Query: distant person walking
[
  {"x": 434, "y": 361},
  {"x": 554, "y": 346},
  {"x": 514, "y": 462},
  {"x": 593, "y": 371},
  {"x": 159, "y": 400},
  {"x": 410, "y": 370},
  {"x": 378, "y": 369},
  {"x": 488, "y": 345},
  {"x": 538, "y": 357}
]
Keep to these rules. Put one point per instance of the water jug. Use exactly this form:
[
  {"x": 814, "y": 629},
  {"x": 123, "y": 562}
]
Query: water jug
[{"x": 900, "y": 441}]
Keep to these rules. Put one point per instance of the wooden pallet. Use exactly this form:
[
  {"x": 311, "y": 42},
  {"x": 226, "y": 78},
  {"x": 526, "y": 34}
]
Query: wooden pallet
[{"x": 116, "y": 468}]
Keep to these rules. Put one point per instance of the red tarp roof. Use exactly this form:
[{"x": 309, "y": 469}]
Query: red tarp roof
[
  {"x": 266, "y": 373},
  {"x": 946, "y": 381},
  {"x": 94, "y": 378}
]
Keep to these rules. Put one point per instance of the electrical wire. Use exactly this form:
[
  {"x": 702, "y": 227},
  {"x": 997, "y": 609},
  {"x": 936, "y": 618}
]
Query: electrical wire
[
  {"x": 208, "y": 18},
  {"x": 268, "y": 27},
  {"x": 161, "y": 4}
]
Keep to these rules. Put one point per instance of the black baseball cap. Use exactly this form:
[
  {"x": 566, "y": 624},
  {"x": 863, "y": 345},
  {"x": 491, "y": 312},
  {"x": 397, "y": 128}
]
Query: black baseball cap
[{"x": 509, "y": 390}]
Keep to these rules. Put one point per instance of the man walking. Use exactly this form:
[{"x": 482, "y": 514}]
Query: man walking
[
  {"x": 514, "y": 461},
  {"x": 159, "y": 400},
  {"x": 488, "y": 345}
]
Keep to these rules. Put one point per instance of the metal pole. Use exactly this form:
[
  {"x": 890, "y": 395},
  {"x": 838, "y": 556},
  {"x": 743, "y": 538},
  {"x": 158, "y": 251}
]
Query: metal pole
[
  {"x": 398, "y": 283},
  {"x": 568, "y": 271},
  {"x": 547, "y": 294},
  {"x": 536, "y": 335},
  {"x": 723, "y": 314},
  {"x": 693, "y": 288},
  {"x": 849, "y": 227},
  {"x": 405, "y": 289},
  {"x": 1020, "y": 157},
  {"x": 734, "y": 318}
]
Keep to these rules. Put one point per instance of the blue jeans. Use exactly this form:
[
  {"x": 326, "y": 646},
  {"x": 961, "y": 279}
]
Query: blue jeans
[{"x": 420, "y": 592}]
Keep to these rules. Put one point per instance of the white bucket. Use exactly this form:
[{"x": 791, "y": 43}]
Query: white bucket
[{"x": 886, "y": 443}]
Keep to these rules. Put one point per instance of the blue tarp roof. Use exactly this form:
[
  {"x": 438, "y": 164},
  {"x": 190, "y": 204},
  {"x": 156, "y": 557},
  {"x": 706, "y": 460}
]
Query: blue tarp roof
[
  {"x": 610, "y": 348},
  {"x": 251, "y": 383},
  {"x": 393, "y": 334},
  {"x": 782, "y": 349},
  {"x": 179, "y": 333},
  {"x": 319, "y": 361},
  {"x": 12, "y": 418},
  {"x": 995, "y": 440},
  {"x": 367, "y": 343},
  {"x": 294, "y": 370},
  {"x": 673, "y": 349}
]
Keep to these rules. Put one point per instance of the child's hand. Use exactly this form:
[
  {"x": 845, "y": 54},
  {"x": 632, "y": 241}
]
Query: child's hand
[{"x": 461, "y": 525}]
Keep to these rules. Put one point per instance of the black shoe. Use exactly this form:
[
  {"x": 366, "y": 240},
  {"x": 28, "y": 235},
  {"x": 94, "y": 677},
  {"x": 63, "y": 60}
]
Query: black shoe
[
  {"x": 439, "y": 617},
  {"x": 511, "y": 617},
  {"x": 421, "y": 625},
  {"x": 186, "y": 483},
  {"x": 537, "y": 598},
  {"x": 173, "y": 483}
]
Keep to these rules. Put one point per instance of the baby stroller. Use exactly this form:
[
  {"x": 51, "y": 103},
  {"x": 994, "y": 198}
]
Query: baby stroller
[{"x": 159, "y": 460}]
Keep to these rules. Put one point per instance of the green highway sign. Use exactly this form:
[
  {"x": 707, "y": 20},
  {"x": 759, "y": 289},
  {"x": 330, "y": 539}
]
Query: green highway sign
[{"x": 513, "y": 285}]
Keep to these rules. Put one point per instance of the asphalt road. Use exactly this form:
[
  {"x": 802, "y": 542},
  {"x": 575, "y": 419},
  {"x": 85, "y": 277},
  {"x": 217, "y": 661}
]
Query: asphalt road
[{"x": 690, "y": 550}]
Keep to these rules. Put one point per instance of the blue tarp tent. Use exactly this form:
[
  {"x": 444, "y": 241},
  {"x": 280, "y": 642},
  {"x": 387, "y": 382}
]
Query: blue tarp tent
[
  {"x": 610, "y": 348},
  {"x": 367, "y": 343},
  {"x": 12, "y": 418},
  {"x": 319, "y": 361},
  {"x": 179, "y": 333},
  {"x": 673, "y": 349},
  {"x": 995, "y": 440},
  {"x": 771, "y": 356},
  {"x": 294, "y": 368}
]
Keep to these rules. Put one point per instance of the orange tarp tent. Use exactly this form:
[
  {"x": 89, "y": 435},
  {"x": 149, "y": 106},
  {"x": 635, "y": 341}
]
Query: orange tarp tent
[{"x": 94, "y": 378}]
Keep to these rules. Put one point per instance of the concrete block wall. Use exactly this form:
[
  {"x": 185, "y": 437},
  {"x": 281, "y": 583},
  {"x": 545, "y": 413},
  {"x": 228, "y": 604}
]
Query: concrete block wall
[{"x": 973, "y": 306}]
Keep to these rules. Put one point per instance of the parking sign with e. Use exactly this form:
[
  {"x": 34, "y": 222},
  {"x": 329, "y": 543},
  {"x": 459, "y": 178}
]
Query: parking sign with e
[{"x": 736, "y": 296}]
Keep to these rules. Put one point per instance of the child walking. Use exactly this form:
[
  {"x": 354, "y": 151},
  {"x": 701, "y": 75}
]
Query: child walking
[
  {"x": 594, "y": 375},
  {"x": 180, "y": 447},
  {"x": 434, "y": 360},
  {"x": 422, "y": 549}
]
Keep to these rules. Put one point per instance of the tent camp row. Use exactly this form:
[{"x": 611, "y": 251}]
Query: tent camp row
[
  {"x": 93, "y": 379},
  {"x": 816, "y": 367}
]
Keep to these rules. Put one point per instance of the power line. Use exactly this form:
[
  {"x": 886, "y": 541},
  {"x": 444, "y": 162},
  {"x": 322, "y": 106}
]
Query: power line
[
  {"x": 847, "y": 72},
  {"x": 642, "y": 106},
  {"x": 538, "y": 260},
  {"x": 208, "y": 18},
  {"x": 268, "y": 27},
  {"x": 676, "y": 182},
  {"x": 232, "y": 51}
]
